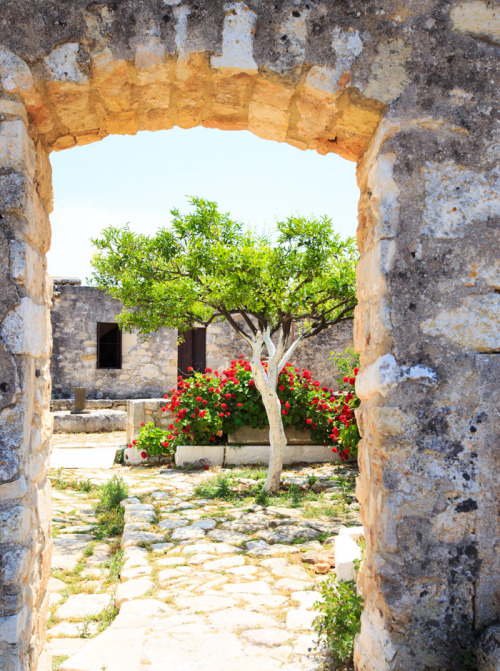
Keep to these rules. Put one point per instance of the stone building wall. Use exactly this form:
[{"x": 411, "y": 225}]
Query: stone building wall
[
  {"x": 149, "y": 368},
  {"x": 410, "y": 92},
  {"x": 224, "y": 344}
]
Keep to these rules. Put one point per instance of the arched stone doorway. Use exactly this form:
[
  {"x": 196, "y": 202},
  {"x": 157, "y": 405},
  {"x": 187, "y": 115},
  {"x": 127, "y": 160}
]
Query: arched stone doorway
[{"x": 403, "y": 91}]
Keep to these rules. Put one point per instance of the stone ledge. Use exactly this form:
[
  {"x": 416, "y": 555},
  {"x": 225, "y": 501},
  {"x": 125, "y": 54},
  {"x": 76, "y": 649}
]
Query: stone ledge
[
  {"x": 218, "y": 455},
  {"x": 93, "y": 422}
]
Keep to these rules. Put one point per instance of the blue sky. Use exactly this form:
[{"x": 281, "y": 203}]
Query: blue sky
[{"x": 139, "y": 179}]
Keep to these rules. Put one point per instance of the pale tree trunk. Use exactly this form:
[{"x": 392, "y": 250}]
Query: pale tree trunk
[{"x": 266, "y": 383}]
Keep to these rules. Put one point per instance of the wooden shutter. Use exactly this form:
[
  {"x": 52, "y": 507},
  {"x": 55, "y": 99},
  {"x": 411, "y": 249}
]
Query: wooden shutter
[
  {"x": 192, "y": 352},
  {"x": 199, "y": 360}
]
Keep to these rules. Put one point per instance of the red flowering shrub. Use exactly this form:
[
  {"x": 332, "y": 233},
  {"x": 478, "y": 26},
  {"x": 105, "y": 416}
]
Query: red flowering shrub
[
  {"x": 153, "y": 440},
  {"x": 208, "y": 405}
]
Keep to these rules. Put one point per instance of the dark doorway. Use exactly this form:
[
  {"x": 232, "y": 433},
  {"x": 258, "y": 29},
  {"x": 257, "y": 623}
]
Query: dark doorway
[
  {"x": 109, "y": 345},
  {"x": 192, "y": 352}
]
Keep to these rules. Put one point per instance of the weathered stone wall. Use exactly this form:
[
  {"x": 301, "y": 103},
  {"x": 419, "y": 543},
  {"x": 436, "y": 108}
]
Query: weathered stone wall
[
  {"x": 25, "y": 423},
  {"x": 409, "y": 90},
  {"x": 224, "y": 344},
  {"x": 149, "y": 368}
]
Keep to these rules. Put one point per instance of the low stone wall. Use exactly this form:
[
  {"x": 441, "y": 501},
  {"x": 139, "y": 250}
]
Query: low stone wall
[
  {"x": 227, "y": 455},
  {"x": 248, "y": 436},
  {"x": 59, "y": 404},
  {"x": 96, "y": 421}
]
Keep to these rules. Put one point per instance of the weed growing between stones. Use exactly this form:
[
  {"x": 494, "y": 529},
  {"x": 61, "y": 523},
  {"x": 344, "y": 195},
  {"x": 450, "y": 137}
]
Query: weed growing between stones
[
  {"x": 59, "y": 482},
  {"x": 109, "y": 512},
  {"x": 114, "y": 565},
  {"x": 103, "y": 619},
  {"x": 339, "y": 620},
  {"x": 245, "y": 487}
]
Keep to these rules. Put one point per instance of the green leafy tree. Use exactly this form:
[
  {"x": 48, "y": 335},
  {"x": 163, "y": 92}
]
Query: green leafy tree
[{"x": 206, "y": 267}]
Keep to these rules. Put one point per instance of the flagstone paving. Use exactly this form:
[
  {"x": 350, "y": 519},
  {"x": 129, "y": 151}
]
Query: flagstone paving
[{"x": 205, "y": 585}]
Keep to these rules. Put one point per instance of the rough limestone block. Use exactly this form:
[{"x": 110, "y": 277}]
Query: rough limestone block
[
  {"x": 79, "y": 606},
  {"x": 93, "y": 422},
  {"x": 132, "y": 589},
  {"x": 190, "y": 454},
  {"x": 248, "y": 436},
  {"x": 248, "y": 454},
  {"x": 346, "y": 552},
  {"x": 259, "y": 454}
]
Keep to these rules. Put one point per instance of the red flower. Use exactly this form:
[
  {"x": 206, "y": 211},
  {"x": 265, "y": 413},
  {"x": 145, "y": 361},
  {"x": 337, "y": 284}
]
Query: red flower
[
  {"x": 228, "y": 414},
  {"x": 309, "y": 421},
  {"x": 190, "y": 368},
  {"x": 346, "y": 379},
  {"x": 204, "y": 402},
  {"x": 352, "y": 380},
  {"x": 206, "y": 467},
  {"x": 287, "y": 405},
  {"x": 143, "y": 454},
  {"x": 284, "y": 412},
  {"x": 239, "y": 405},
  {"x": 199, "y": 399},
  {"x": 281, "y": 387},
  {"x": 166, "y": 396},
  {"x": 334, "y": 449},
  {"x": 221, "y": 414},
  {"x": 212, "y": 437},
  {"x": 130, "y": 444},
  {"x": 356, "y": 371},
  {"x": 143, "y": 424},
  {"x": 228, "y": 395}
]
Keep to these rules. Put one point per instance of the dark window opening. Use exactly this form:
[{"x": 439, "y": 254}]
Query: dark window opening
[
  {"x": 109, "y": 345},
  {"x": 192, "y": 352}
]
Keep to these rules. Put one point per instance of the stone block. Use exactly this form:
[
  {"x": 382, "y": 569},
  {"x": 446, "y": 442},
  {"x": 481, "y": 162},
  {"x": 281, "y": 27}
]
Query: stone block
[
  {"x": 246, "y": 435},
  {"x": 79, "y": 606},
  {"x": 190, "y": 454},
  {"x": 14, "y": 524},
  {"x": 132, "y": 589},
  {"x": 16, "y": 147},
  {"x": 297, "y": 619},
  {"x": 11, "y": 627},
  {"x": 347, "y": 551},
  {"x": 95, "y": 421},
  {"x": 26, "y": 329},
  {"x": 259, "y": 454}
]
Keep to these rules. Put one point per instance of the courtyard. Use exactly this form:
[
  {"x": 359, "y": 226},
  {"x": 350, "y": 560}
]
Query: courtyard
[{"x": 201, "y": 576}]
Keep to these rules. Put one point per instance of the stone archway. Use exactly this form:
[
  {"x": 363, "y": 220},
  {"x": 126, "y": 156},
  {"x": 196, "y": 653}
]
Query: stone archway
[{"x": 405, "y": 92}]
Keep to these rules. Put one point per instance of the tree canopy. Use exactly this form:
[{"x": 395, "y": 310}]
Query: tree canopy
[{"x": 207, "y": 267}]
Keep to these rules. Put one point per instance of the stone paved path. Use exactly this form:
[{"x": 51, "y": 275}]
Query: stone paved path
[{"x": 205, "y": 585}]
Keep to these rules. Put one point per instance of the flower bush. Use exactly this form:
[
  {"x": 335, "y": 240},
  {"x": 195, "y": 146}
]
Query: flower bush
[
  {"x": 209, "y": 405},
  {"x": 152, "y": 441}
]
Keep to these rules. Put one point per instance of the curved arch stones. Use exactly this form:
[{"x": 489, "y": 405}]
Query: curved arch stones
[{"x": 408, "y": 91}]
